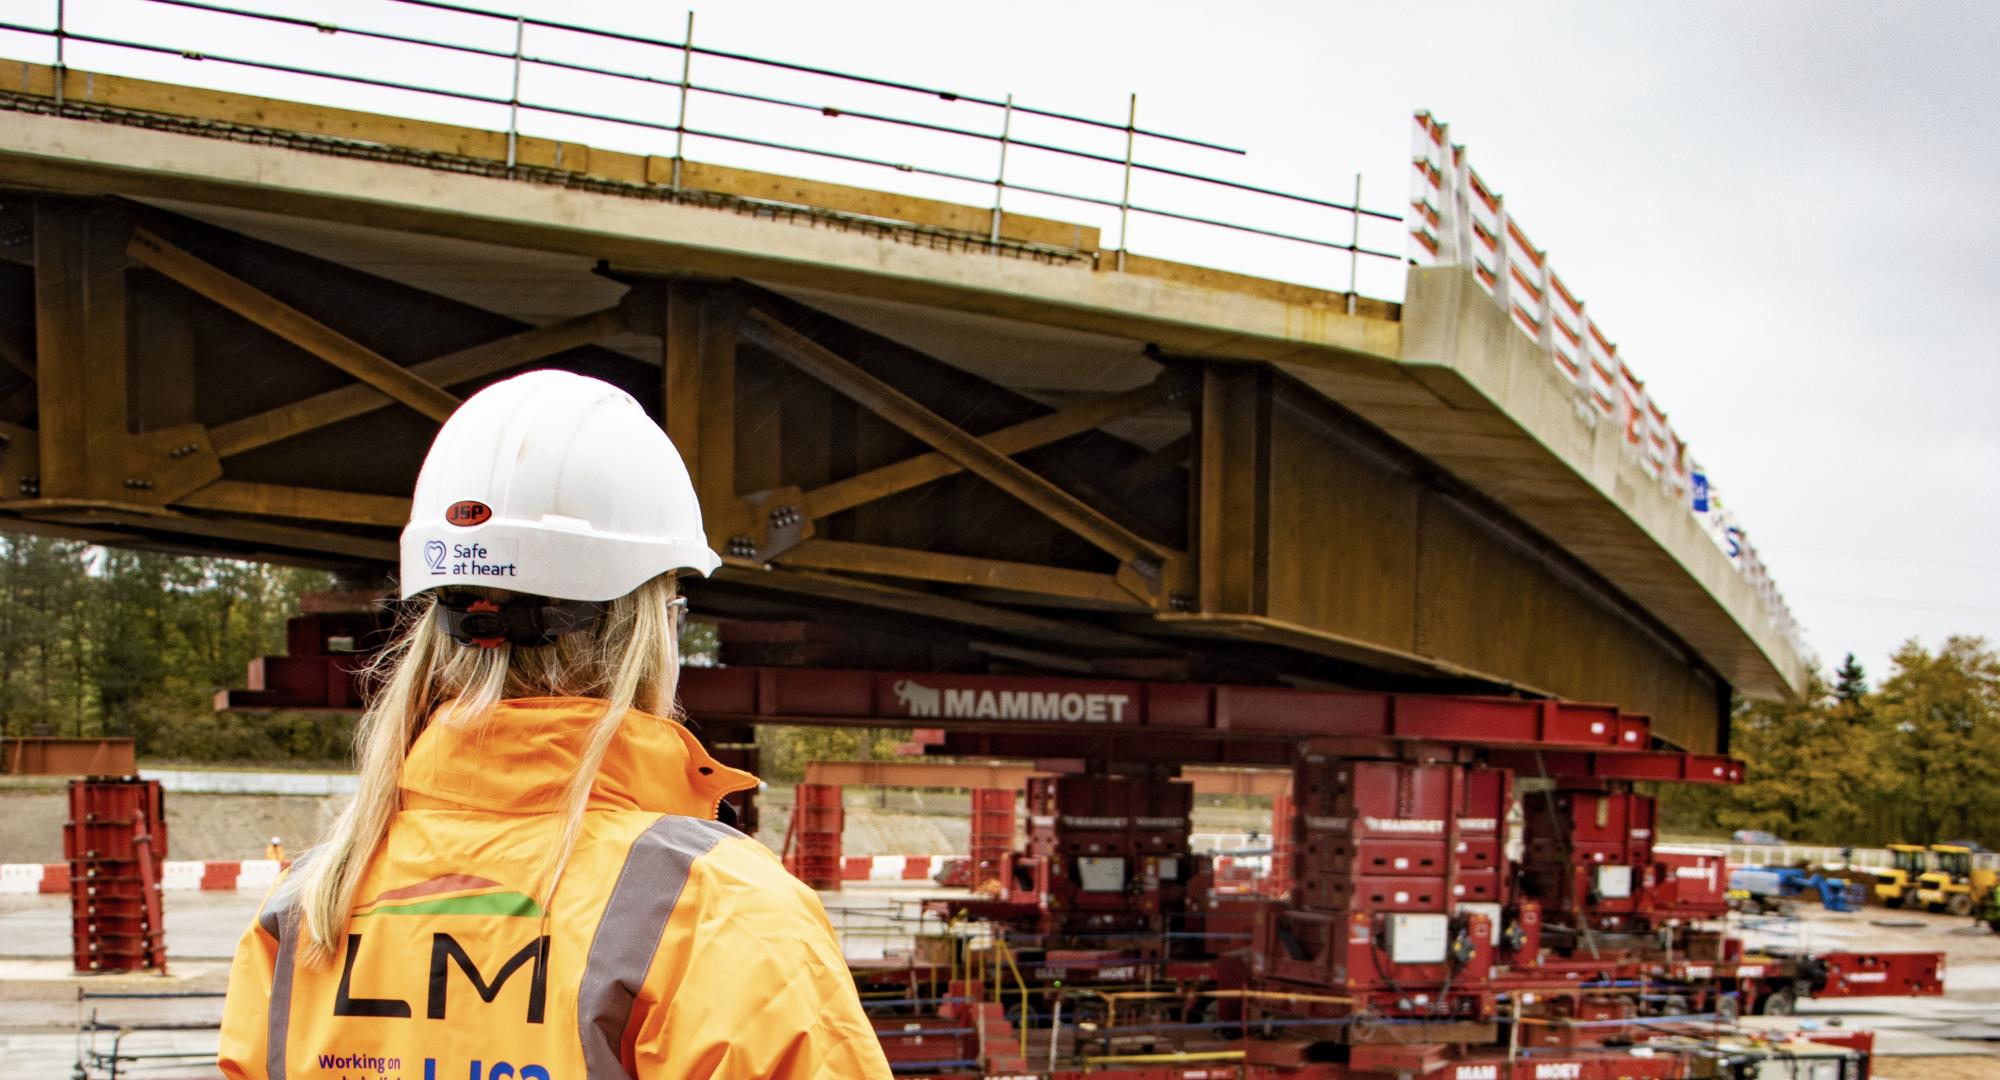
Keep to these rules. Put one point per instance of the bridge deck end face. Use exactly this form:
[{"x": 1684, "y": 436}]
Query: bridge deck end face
[{"x": 1603, "y": 504}]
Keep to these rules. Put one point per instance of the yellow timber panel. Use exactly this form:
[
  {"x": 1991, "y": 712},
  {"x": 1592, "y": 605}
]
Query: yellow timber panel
[
  {"x": 1343, "y": 552},
  {"x": 1488, "y": 604}
]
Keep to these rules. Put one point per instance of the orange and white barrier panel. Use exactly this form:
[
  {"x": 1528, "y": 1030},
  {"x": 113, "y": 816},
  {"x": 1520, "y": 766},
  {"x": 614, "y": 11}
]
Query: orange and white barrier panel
[
  {"x": 893, "y": 867},
  {"x": 225, "y": 875},
  {"x": 1458, "y": 219}
]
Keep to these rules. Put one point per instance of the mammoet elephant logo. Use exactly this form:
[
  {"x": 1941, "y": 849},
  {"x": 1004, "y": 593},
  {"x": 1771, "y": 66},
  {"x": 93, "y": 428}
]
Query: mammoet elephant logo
[
  {"x": 981, "y": 704},
  {"x": 917, "y": 700}
]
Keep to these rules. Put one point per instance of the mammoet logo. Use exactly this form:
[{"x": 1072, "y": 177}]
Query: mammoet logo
[
  {"x": 1403, "y": 825},
  {"x": 1704, "y": 872},
  {"x": 916, "y": 700},
  {"x": 1477, "y": 1072},
  {"x": 920, "y": 700},
  {"x": 1559, "y": 1070}
]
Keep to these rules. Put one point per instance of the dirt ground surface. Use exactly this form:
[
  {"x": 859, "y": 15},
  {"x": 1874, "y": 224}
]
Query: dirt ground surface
[
  {"x": 237, "y": 826},
  {"x": 1927, "y": 1067},
  {"x": 198, "y": 826},
  {"x": 1955, "y": 1037}
]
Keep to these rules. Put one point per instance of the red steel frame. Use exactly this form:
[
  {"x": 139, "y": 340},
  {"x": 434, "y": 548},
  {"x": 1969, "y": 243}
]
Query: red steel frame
[{"x": 1555, "y": 738}]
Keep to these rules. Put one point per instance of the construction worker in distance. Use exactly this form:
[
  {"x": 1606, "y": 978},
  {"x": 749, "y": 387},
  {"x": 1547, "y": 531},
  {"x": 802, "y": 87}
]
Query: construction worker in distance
[
  {"x": 531, "y": 882},
  {"x": 275, "y": 850}
]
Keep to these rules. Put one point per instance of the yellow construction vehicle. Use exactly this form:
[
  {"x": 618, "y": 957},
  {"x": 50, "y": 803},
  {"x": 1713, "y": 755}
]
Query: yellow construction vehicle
[
  {"x": 1898, "y": 884},
  {"x": 1953, "y": 885}
]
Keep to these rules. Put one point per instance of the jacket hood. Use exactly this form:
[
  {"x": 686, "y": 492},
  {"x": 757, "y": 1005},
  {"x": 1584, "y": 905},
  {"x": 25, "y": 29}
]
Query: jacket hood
[{"x": 519, "y": 758}]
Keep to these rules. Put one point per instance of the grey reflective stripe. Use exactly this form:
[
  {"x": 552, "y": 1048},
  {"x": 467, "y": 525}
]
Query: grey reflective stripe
[
  {"x": 280, "y": 920},
  {"x": 635, "y": 919}
]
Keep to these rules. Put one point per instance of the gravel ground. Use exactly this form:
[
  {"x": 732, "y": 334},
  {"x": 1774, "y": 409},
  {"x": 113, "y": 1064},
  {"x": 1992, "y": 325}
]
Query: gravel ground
[
  {"x": 237, "y": 826},
  {"x": 39, "y": 1003}
]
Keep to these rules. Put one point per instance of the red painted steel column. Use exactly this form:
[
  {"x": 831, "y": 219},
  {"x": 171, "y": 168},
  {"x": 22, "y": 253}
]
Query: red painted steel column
[
  {"x": 817, "y": 820},
  {"x": 115, "y": 841},
  {"x": 992, "y": 834},
  {"x": 1284, "y": 826}
]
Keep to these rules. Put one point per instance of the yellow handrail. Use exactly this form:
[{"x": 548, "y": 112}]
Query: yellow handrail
[
  {"x": 1165, "y": 1059},
  {"x": 1006, "y": 952}
]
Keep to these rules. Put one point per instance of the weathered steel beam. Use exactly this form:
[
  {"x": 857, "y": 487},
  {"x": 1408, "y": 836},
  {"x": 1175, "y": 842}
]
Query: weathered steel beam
[
  {"x": 16, "y": 357},
  {"x": 488, "y": 358},
  {"x": 1231, "y": 475},
  {"x": 863, "y": 488},
  {"x": 275, "y": 543},
  {"x": 80, "y": 317},
  {"x": 84, "y": 450},
  {"x": 1100, "y": 589},
  {"x": 1145, "y": 559},
  {"x": 698, "y": 354},
  {"x": 986, "y": 620},
  {"x": 307, "y": 504},
  {"x": 293, "y": 325}
]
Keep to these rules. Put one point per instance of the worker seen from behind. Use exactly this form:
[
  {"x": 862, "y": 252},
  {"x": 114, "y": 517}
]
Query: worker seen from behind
[
  {"x": 275, "y": 850},
  {"x": 531, "y": 881}
]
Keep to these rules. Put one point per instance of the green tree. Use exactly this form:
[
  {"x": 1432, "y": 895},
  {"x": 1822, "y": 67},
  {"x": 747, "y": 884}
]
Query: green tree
[
  {"x": 1939, "y": 714},
  {"x": 1851, "y": 682},
  {"x": 783, "y": 751},
  {"x": 108, "y": 641},
  {"x": 1801, "y": 759}
]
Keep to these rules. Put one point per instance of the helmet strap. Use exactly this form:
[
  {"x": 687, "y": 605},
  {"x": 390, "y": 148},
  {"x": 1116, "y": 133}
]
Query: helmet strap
[{"x": 531, "y": 621}]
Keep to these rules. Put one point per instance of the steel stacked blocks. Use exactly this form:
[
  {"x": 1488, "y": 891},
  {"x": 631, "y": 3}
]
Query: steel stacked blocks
[
  {"x": 115, "y": 841},
  {"x": 992, "y": 834},
  {"x": 1373, "y": 835},
  {"x": 817, "y": 821},
  {"x": 1589, "y": 857},
  {"x": 1375, "y": 903},
  {"x": 1117, "y": 848}
]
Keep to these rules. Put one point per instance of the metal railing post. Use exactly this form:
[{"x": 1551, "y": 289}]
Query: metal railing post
[
  {"x": 1125, "y": 200},
  {"x": 514, "y": 99},
  {"x": 1354, "y": 249},
  {"x": 62, "y": 69},
  {"x": 1000, "y": 178},
  {"x": 681, "y": 122}
]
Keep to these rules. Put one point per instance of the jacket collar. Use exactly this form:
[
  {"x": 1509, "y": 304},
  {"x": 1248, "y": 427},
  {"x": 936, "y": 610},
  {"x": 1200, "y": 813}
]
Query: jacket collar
[{"x": 519, "y": 758}]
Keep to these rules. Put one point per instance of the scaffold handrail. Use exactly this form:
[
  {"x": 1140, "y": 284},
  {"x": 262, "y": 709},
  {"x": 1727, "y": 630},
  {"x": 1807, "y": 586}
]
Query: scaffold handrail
[{"x": 72, "y": 25}]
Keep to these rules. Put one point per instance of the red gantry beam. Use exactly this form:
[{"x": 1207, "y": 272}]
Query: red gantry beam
[{"x": 1552, "y": 737}]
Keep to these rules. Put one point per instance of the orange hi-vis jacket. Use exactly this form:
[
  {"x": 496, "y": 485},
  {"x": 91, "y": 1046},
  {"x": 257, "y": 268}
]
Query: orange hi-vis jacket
[{"x": 676, "y": 946}]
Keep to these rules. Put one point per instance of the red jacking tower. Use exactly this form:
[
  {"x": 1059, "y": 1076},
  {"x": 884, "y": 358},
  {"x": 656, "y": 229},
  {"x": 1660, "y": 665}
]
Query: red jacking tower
[{"x": 1472, "y": 881}]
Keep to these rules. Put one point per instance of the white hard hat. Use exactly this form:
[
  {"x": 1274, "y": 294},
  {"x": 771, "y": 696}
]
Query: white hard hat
[
  {"x": 552, "y": 484},
  {"x": 274, "y": 840}
]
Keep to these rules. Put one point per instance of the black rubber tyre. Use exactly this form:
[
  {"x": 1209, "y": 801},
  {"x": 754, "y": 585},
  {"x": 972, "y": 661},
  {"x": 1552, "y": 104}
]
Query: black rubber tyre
[
  {"x": 1780, "y": 1002},
  {"x": 1959, "y": 904},
  {"x": 1895, "y": 901}
]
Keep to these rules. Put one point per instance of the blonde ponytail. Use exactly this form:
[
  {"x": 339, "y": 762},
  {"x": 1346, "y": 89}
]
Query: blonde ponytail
[{"x": 631, "y": 659}]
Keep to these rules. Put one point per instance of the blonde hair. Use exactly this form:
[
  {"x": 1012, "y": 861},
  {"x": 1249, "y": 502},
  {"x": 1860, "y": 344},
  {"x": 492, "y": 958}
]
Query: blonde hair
[{"x": 630, "y": 658}]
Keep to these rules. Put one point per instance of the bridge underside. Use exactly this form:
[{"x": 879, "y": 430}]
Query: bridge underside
[{"x": 956, "y": 491}]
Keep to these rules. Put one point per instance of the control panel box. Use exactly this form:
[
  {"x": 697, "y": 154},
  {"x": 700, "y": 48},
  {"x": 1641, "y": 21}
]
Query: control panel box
[{"x": 1417, "y": 939}]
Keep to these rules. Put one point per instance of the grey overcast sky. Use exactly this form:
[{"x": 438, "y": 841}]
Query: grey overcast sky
[{"x": 1781, "y": 212}]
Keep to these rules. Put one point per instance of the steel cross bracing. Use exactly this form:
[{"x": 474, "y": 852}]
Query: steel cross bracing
[{"x": 173, "y": 384}]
